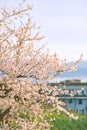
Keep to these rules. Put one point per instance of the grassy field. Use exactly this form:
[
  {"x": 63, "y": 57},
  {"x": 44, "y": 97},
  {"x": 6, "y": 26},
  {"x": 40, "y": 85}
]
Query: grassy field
[{"x": 63, "y": 122}]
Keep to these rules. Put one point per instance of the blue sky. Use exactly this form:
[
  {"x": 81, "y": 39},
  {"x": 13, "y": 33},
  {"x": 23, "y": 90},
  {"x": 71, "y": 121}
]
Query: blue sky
[{"x": 64, "y": 24}]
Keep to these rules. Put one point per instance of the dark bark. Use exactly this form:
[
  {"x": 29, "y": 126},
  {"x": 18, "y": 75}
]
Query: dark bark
[{"x": 6, "y": 112}]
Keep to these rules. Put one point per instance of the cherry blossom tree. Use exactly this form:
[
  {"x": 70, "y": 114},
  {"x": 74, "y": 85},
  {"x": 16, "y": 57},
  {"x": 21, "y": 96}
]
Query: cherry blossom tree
[{"x": 26, "y": 72}]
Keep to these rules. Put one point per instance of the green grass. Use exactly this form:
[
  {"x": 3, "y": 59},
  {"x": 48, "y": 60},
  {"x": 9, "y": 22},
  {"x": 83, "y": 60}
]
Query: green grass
[{"x": 63, "y": 122}]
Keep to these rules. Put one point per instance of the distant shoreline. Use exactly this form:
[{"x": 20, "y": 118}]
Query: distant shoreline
[{"x": 69, "y": 82}]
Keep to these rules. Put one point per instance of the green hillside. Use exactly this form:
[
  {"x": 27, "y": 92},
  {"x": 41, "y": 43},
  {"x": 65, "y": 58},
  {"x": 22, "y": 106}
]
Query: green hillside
[{"x": 63, "y": 122}]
